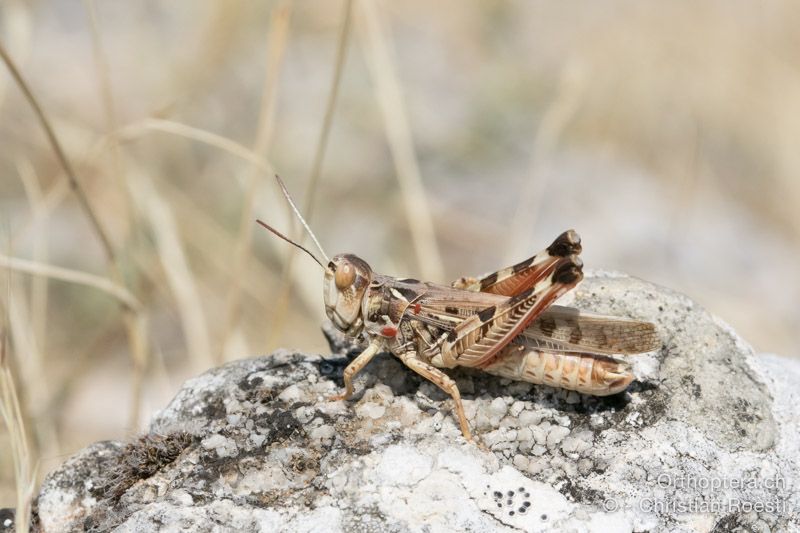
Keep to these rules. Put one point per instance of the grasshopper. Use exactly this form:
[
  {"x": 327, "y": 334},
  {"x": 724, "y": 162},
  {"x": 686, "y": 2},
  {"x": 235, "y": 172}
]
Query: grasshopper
[{"x": 503, "y": 323}]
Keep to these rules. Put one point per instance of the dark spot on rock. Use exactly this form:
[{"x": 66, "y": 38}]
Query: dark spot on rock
[
  {"x": 260, "y": 395},
  {"x": 523, "y": 510},
  {"x": 510, "y": 502},
  {"x": 282, "y": 425},
  {"x": 694, "y": 388},
  {"x": 302, "y": 463},
  {"x": 249, "y": 384},
  {"x": 499, "y": 505},
  {"x": 576, "y": 493},
  {"x": 614, "y": 402},
  {"x": 333, "y": 368},
  {"x": 325, "y": 417},
  {"x": 745, "y": 411},
  {"x": 543, "y": 517},
  {"x": 141, "y": 459},
  {"x": 731, "y": 522},
  {"x": 359, "y": 450},
  {"x": 214, "y": 407},
  {"x": 511, "y": 513},
  {"x": 642, "y": 386},
  {"x": 498, "y": 494},
  {"x": 526, "y": 504},
  {"x": 7, "y": 519},
  {"x": 102, "y": 519}
]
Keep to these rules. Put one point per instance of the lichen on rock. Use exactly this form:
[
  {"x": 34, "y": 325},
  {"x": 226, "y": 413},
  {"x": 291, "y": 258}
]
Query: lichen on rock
[{"x": 255, "y": 446}]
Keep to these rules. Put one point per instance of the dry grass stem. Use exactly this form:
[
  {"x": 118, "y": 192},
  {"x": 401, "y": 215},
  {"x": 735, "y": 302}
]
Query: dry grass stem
[
  {"x": 34, "y": 268},
  {"x": 135, "y": 130},
  {"x": 40, "y": 218},
  {"x": 135, "y": 323},
  {"x": 213, "y": 243},
  {"x": 379, "y": 55},
  {"x": 24, "y": 471},
  {"x": 34, "y": 381},
  {"x": 101, "y": 66},
  {"x": 136, "y": 333},
  {"x": 60, "y": 155},
  {"x": 330, "y": 108},
  {"x": 107, "y": 95},
  {"x": 282, "y": 301},
  {"x": 179, "y": 275},
  {"x": 276, "y": 49},
  {"x": 16, "y": 26},
  {"x": 555, "y": 119},
  {"x": 137, "y": 148}
]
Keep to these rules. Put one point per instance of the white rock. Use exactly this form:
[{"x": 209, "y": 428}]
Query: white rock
[
  {"x": 706, "y": 408},
  {"x": 529, "y": 418},
  {"x": 370, "y": 410},
  {"x": 291, "y": 394},
  {"x": 403, "y": 465},
  {"x": 497, "y": 410},
  {"x": 556, "y": 435}
]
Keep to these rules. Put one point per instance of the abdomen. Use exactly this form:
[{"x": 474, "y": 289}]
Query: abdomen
[{"x": 598, "y": 375}]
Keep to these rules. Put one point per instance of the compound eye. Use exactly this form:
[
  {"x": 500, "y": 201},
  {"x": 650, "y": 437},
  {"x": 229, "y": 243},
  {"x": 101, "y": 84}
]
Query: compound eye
[{"x": 345, "y": 276}]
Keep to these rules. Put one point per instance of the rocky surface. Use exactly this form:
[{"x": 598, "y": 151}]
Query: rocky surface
[{"x": 706, "y": 439}]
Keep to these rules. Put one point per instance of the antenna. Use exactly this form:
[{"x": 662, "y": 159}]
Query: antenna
[
  {"x": 290, "y": 241},
  {"x": 302, "y": 221}
]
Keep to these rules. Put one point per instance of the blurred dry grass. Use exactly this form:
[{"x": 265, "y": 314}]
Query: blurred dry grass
[{"x": 454, "y": 139}]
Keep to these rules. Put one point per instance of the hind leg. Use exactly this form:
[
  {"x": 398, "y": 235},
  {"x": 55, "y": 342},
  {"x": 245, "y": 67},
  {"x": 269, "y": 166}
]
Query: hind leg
[{"x": 441, "y": 380}]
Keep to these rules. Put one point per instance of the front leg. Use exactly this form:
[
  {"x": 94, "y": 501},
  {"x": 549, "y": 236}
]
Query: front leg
[
  {"x": 355, "y": 367},
  {"x": 441, "y": 380}
]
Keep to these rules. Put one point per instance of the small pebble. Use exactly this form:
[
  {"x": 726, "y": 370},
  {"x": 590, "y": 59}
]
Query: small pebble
[
  {"x": 529, "y": 418},
  {"x": 525, "y": 435},
  {"x": 497, "y": 409},
  {"x": 556, "y": 435},
  {"x": 538, "y": 450},
  {"x": 516, "y": 408},
  {"x": 370, "y": 410},
  {"x": 540, "y": 433},
  {"x": 291, "y": 394}
]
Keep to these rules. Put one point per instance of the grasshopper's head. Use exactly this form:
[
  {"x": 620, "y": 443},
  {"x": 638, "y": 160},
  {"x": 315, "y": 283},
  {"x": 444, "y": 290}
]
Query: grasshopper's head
[{"x": 346, "y": 281}]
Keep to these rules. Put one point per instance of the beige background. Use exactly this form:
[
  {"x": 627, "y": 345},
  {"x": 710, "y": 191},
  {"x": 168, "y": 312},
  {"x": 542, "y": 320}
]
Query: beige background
[{"x": 466, "y": 135}]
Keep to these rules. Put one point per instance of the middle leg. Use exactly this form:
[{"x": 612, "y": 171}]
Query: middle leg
[{"x": 441, "y": 380}]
